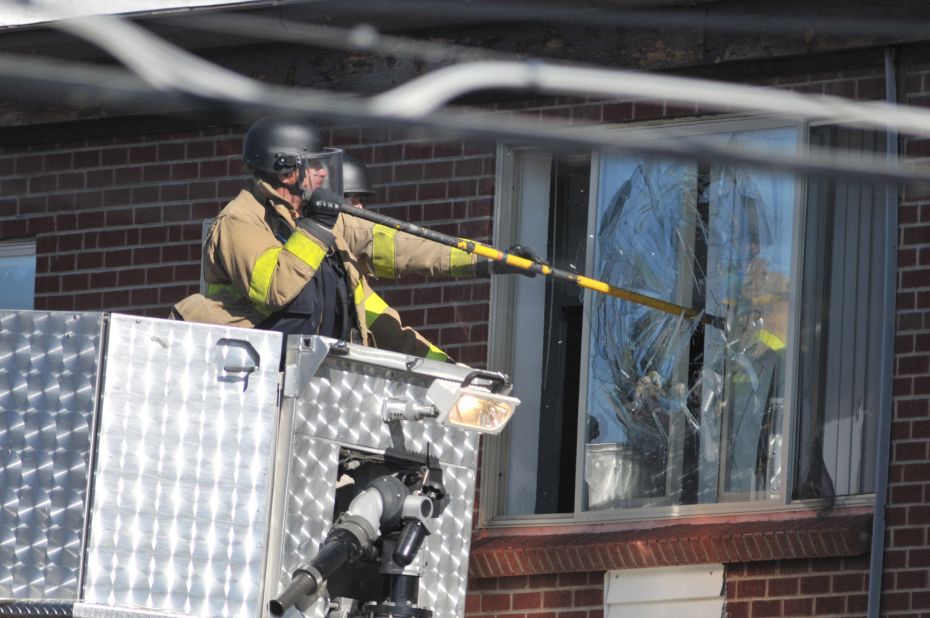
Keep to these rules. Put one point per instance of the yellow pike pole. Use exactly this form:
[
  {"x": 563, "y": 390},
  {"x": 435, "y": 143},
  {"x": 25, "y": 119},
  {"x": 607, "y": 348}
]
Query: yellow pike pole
[{"x": 502, "y": 257}]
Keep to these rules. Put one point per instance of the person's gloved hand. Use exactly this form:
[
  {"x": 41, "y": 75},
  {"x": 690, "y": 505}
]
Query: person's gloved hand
[
  {"x": 322, "y": 206},
  {"x": 499, "y": 268}
]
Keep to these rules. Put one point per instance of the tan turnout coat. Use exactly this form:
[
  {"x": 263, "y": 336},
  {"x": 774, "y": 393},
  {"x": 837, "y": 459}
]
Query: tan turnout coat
[{"x": 255, "y": 261}]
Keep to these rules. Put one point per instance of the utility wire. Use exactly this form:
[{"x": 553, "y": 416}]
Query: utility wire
[
  {"x": 167, "y": 69},
  {"x": 361, "y": 37},
  {"x": 111, "y": 85},
  {"x": 440, "y": 87},
  {"x": 445, "y": 85}
]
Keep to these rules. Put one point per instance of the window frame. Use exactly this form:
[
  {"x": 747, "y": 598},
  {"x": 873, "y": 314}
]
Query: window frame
[
  {"x": 507, "y": 214},
  {"x": 19, "y": 247}
]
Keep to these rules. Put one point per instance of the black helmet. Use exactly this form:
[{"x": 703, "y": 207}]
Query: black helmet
[
  {"x": 355, "y": 177},
  {"x": 281, "y": 143},
  {"x": 272, "y": 143}
]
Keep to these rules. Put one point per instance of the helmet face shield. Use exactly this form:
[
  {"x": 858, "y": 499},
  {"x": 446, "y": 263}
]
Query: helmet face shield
[
  {"x": 279, "y": 145},
  {"x": 321, "y": 169}
]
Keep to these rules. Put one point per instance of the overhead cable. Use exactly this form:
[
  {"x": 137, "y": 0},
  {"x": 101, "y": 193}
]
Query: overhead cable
[
  {"x": 122, "y": 88},
  {"x": 168, "y": 69}
]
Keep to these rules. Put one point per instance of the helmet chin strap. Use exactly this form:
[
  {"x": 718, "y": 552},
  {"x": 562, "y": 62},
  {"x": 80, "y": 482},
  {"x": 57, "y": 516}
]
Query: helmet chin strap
[{"x": 297, "y": 188}]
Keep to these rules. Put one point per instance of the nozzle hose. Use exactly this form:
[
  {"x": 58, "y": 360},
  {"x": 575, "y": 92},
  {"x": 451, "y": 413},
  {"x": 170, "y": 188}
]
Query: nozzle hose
[{"x": 302, "y": 585}]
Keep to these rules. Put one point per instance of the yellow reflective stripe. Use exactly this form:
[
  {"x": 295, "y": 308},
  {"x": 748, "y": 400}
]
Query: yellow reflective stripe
[
  {"x": 262, "y": 271},
  {"x": 436, "y": 354},
  {"x": 308, "y": 251},
  {"x": 771, "y": 340},
  {"x": 382, "y": 251},
  {"x": 460, "y": 263},
  {"x": 215, "y": 288},
  {"x": 374, "y": 307},
  {"x": 359, "y": 294}
]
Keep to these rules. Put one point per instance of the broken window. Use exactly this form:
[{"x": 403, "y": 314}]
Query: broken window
[
  {"x": 683, "y": 413},
  {"x": 627, "y": 407}
]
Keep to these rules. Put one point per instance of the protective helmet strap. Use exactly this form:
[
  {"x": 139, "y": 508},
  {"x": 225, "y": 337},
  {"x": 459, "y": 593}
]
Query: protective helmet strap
[
  {"x": 298, "y": 189},
  {"x": 294, "y": 188}
]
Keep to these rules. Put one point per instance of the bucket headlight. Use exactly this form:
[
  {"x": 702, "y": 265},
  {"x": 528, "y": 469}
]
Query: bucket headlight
[{"x": 474, "y": 407}]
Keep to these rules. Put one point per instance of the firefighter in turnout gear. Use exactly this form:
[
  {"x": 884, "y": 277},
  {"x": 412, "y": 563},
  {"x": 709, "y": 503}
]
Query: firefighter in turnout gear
[
  {"x": 281, "y": 257},
  {"x": 356, "y": 186}
]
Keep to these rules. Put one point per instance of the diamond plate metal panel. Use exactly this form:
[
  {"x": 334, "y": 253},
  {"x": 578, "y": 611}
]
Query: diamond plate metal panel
[
  {"x": 90, "y": 610},
  {"x": 443, "y": 584},
  {"x": 36, "y": 609},
  {"x": 343, "y": 401},
  {"x": 310, "y": 499},
  {"x": 339, "y": 404},
  {"x": 48, "y": 388},
  {"x": 182, "y": 482}
]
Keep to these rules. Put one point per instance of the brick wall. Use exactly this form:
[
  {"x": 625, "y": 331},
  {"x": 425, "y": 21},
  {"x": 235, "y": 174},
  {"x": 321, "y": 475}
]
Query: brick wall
[
  {"x": 118, "y": 220},
  {"x": 907, "y": 555},
  {"x": 565, "y": 595},
  {"x": 828, "y": 587}
]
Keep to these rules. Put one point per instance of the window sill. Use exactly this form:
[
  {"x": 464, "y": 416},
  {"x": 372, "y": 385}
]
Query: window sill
[{"x": 504, "y": 552}]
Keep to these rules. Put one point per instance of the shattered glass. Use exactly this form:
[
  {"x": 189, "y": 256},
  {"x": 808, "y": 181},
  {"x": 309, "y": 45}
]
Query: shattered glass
[{"x": 680, "y": 413}]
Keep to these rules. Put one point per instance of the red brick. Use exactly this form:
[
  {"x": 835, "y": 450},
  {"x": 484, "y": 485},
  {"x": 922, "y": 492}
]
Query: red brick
[
  {"x": 751, "y": 589},
  {"x": 895, "y": 601},
  {"x": 143, "y": 296},
  {"x": 443, "y": 150},
  {"x": 416, "y": 151},
  {"x": 734, "y": 609},
  {"x": 857, "y": 604},
  {"x": 829, "y": 605},
  {"x": 557, "y": 598},
  {"x": 911, "y": 579},
  {"x": 432, "y": 191},
  {"x": 918, "y": 515},
  {"x": 815, "y": 584},
  {"x": 88, "y": 302},
  {"x": 763, "y": 609},
  {"x": 116, "y": 299},
  {"x": 915, "y": 278},
  {"x": 852, "y": 582},
  {"x": 783, "y": 586},
  {"x": 547, "y": 580},
  {"x": 104, "y": 279},
  {"x": 462, "y": 188},
  {"x": 116, "y": 197},
  {"x": 231, "y": 147},
  {"x": 798, "y": 607},
  {"x": 527, "y": 600},
  {"x": 402, "y": 193},
  {"x": 408, "y": 172},
  {"x": 47, "y": 285},
  {"x": 918, "y": 558},
  {"x": 590, "y": 597},
  {"x": 495, "y": 602},
  {"x": 184, "y": 171},
  {"x": 127, "y": 176},
  {"x": 910, "y": 451},
  {"x": 59, "y": 303}
]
